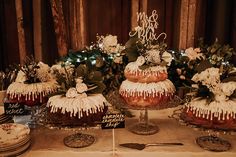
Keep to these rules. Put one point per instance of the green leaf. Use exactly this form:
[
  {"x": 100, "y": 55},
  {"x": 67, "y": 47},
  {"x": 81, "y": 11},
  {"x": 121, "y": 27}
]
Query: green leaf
[
  {"x": 205, "y": 64},
  {"x": 132, "y": 54},
  {"x": 81, "y": 70},
  {"x": 100, "y": 88},
  {"x": 228, "y": 79},
  {"x": 95, "y": 76},
  {"x": 131, "y": 42}
]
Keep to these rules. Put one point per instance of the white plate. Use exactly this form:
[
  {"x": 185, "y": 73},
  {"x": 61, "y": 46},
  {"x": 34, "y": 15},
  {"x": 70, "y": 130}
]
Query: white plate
[
  {"x": 15, "y": 146},
  {"x": 17, "y": 151},
  {"x": 12, "y": 133}
]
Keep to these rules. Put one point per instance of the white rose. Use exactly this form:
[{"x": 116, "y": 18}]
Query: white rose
[
  {"x": 153, "y": 56},
  {"x": 21, "y": 77},
  {"x": 72, "y": 93},
  {"x": 43, "y": 72},
  {"x": 140, "y": 60},
  {"x": 194, "y": 54},
  {"x": 167, "y": 57},
  {"x": 228, "y": 88},
  {"x": 110, "y": 43},
  {"x": 43, "y": 66},
  {"x": 81, "y": 87}
]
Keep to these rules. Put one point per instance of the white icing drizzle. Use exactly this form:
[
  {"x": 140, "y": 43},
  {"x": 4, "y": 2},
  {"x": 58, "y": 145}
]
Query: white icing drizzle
[
  {"x": 90, "y": 105},
  {"x": 129, "y": 88},
  {"x": 133, "y": 68},
  {"x": 200, "y": 108},
  {"x": 31, "y": 91}
]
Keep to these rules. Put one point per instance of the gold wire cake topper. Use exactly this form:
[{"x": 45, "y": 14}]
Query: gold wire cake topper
[{"x": 146, "y": 27}]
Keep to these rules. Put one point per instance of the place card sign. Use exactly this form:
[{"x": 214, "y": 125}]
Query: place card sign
[
  {"x": 112, "y": 121},
  {"x": 14, "y": 109}
]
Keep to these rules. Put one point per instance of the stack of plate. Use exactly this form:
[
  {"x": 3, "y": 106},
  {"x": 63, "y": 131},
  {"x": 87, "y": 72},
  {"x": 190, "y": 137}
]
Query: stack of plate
[
  {"x": 4, "y": 118},
  {"x": 14, "y": 139}
]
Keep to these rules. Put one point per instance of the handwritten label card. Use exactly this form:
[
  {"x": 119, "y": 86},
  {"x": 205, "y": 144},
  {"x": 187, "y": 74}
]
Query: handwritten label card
[
  {"x": 112, "y": 121},
  {"x": 14, "y": 109}
]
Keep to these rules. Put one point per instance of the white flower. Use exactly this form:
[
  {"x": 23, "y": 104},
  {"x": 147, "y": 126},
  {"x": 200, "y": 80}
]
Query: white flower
[
  {"x": 153, "y": 56},
  {"x": 110, "y": 44},
  {"x": 228, "y": 88},
  {"x": 167, "y": 57},
  {"x": 140, "y": 60},
  {"x": 72, "y": 93},
  {"x": 43, "y": 73},
  {"x": 209, "y": 77},
  {"x": 195, "y": 86},
  {"x": 194, "y": 54},
  {"x": 21, "y": 77},
  {"x": 81, "y": 87}
]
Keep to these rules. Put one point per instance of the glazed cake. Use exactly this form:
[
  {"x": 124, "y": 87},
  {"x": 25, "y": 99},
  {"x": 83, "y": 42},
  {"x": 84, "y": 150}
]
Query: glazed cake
[
  {"x": 77, "y": 107},
  {"x": 146, "y": 88},
  {"x": 32, "y": 93},
  {"x": 218, "y": 113},
  {"x": 78, "y": 111}
]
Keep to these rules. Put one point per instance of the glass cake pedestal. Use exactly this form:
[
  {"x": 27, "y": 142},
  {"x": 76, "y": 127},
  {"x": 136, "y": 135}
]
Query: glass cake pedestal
[{"x": 143, "y": 126}]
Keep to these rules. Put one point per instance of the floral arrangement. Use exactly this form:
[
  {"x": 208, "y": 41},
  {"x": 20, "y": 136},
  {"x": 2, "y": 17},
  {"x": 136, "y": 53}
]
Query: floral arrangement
[
  {"x": 210, "y": 84},
  {"x": 192, "y": 61},
  {"x": 106, "y": 56},
  {"x": 145, "y": 45},
  {"x": 33, "y": 72},
  {"x": 77, "y": 81}
]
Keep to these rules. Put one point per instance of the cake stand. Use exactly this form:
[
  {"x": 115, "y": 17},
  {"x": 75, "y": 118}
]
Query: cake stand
[{"x": 143, "y": 126}]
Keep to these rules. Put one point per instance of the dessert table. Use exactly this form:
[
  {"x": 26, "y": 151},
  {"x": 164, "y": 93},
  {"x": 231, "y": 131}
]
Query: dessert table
[{"x": 49, "y": 142}]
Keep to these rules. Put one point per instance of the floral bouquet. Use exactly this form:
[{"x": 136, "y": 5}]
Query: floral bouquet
[
  {"x": 77, "y": 81},
  {"x": 105, "y": 56},
  {"x": 33, "y": 72},
  {"x": 195, "y": 60}
]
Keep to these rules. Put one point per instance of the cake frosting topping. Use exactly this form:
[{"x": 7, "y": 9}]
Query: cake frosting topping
[
  {"x": 31, "y": 91},
  {"x": 201, "y": 108},
  {"x": 129, "y": 88},
  {"x": 89, "y": 104}
]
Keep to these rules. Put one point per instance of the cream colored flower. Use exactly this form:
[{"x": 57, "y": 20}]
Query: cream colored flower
[
  {"x": 21, "y": 77},
  {"x": 167, "y": 57},
  {"x": 194, "y": 54},
  {"x": 81, "y": 87},
  {"x": 72, "y": 93},
  {"x": 140, "y": 60},
  {"x": 43, "y": 73},
  {"x": 228, "y": 88},
  {"x": 110, "y": 43},
  {"x": 153, "y": 56}
]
